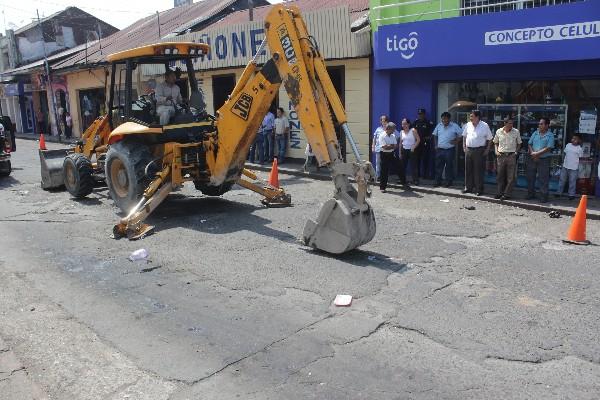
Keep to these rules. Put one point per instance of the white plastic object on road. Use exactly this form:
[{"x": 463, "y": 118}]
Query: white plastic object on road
[
  {"x": 343, "y": 300},
  {"x": 445, "y": 201},
  {"x": 140, "y": 254}
]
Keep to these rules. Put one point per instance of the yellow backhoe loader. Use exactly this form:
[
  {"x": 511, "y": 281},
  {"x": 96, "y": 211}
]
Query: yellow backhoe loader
[{"x": 143, "y": 160}]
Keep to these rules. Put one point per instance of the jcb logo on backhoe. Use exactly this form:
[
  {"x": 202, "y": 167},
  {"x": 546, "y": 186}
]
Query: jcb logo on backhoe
[
  {"x": 286, "y": 43},
  {"x": 242, "y": 106}
]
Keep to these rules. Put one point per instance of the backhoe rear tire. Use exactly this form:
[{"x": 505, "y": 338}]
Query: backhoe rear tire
[
  {"x": 126, "y": 178},
  {"x": 5, "y": 168},
  {"x": 77, "y": 175}
]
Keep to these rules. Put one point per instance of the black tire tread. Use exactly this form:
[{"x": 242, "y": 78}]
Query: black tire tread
[
  {"x": 85, "y": 171},
  {"x": 135, "y": 154},
  {"x": 6, "y": 171}
]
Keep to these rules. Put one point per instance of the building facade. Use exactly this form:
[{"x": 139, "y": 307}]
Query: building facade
[
  {"x": 523, "y": 59},
  {"x": 31, "y": 97}
]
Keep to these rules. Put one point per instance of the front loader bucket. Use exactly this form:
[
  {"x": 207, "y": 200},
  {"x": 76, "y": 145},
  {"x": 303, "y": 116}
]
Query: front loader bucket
[
  {"x": 51, "y": 162},
  {"x": 339, "y": 229}
]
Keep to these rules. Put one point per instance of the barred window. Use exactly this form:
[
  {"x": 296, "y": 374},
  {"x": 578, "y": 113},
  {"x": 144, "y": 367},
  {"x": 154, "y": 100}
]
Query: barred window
[{"x": 472, "y": 7}]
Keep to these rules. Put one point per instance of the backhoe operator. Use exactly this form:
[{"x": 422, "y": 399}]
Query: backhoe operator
[{"x": 168, "y": 95}]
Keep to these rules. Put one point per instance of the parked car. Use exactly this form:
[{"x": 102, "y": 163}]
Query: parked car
[{"x": 7, "y": 145}]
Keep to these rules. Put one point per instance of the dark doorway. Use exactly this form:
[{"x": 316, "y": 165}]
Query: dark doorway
[
  {"x": 222, "y": 86},
  {"x": 337, "y": 75},
  {"x": 91, "y": 106}
]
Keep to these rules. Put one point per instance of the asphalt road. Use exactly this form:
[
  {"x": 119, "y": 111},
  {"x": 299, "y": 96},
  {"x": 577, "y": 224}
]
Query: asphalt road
[{"x": 448, "y": 303}]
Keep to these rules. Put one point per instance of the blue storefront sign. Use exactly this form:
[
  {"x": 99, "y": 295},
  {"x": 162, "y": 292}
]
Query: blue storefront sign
[{"x": 552, "y": 33}]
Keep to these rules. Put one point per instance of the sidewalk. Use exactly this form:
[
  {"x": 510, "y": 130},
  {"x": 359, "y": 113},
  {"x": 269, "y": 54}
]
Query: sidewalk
[{"x": 563, "y": 205}]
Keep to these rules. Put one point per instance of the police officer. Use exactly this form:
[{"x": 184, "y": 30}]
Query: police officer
[{"x": 424, "y": 152}]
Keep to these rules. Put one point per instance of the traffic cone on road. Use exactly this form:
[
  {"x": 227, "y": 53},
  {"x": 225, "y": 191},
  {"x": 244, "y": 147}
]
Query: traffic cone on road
[
  {"x": 576, "y": 234},
  {"x": 274, "y": 175},
  {"x": 42, "y": 142}
]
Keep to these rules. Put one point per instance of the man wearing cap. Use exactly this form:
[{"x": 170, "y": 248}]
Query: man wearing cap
[
  {"x": 446, "y": 134},
  {"x": 476, "y": 144},
  {"x": 424, "y": 152}
]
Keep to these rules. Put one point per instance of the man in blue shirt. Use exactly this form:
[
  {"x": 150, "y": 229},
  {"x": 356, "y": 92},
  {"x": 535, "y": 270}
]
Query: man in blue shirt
[
  {"x": 541, "y": 144},
  {"x": 268, "y": 133},
  {"x": 446, "y": 134}
]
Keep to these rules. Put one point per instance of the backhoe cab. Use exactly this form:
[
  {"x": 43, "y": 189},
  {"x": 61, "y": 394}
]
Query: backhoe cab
[{"x": 144, "y": 160}]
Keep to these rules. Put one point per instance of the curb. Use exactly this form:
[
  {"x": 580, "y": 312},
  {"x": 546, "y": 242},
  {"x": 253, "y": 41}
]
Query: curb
[
  {"x": 36, "y": 137},
  {"x": 512, "y": 203}
]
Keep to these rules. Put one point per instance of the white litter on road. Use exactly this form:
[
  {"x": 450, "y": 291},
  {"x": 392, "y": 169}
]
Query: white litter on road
[
  {"x": 343, "y": 300},
  {"x": 445, "y": 201},
  {"x": 140, "y": 254}
]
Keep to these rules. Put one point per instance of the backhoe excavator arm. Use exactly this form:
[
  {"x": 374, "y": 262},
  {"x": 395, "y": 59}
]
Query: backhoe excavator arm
[{"x": 346, "y": 221}]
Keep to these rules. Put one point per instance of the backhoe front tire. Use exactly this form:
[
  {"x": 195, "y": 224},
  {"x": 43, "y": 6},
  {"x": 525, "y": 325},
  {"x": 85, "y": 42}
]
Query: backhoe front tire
[
  {"x": 77, "y": 175},
  {"x": 126, "y": 179}
]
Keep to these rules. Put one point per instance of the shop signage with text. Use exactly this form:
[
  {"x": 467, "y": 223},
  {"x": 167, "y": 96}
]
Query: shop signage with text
[{"x": 569, "y": 32}]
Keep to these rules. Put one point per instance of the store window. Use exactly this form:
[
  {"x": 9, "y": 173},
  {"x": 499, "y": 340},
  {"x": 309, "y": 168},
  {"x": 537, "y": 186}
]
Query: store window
[{"x": 571, "y": 105}]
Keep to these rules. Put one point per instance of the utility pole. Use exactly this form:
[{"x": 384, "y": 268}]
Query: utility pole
[
  {"x": 48, "y": 78},
  {"x": 251, "y": 10},
  {"x": 158, "y": 23}
]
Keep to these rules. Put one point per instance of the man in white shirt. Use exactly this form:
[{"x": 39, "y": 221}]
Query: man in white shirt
[
  {"x": 168, "y": 95},
  {"x": 476, "y": 144},
  {"x": 570, "y": 168},
  {"x": 282, "y": 129},
  {"x": 388, "y": 142},
  {"x": 376, "y": 147}
]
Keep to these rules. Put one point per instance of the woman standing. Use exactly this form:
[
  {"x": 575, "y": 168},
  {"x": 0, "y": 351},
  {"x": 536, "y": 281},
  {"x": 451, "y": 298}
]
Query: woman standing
[{"x": 410, "y": 141}]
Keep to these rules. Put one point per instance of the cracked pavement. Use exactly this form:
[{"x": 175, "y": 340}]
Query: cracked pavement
[{"x": 448, "y": 303}]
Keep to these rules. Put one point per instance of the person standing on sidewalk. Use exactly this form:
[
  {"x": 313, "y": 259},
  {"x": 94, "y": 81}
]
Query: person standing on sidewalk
[
  {"x": 410, "y": 140},
  {"x": 375, "y": 146},
  {"x": 570, "y": 168},
  {"x": 424, "y": 151},
  {"x": 476, "y": 144},
  {"x": 446, "y": 134},
  {"x": 541, "y": 144},
  {"x": 282, "y": 129},
  {"x": 68, "y": 125},
  {"x": 508, "y": 143},
  {"x": 388, "y": 143},
  {"x": 268, "y": 132}
]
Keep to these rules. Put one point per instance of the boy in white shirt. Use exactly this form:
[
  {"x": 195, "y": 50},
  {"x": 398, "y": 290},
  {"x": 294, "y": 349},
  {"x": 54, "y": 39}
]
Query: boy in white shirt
[{"x": 570, "y": 167}]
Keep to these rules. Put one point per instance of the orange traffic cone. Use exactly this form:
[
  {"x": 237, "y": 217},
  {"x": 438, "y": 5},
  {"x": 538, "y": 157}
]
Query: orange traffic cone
[
  {"x": 274, "y": 175},
  {"x": 576, "y": 234},
  {"x": 42, "y": 142}
]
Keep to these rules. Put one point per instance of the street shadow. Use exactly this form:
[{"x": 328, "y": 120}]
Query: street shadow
[
  {"x": 213, "y": 216},
  {"x": 8, "y": 181},
  {"x": 408, "y": 193},
  {"x": 363, "y": 258},
  {"x": 88, "y": 201}
]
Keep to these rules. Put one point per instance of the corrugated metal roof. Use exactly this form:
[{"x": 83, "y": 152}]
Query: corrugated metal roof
[
  {"x": 357, "y": 9},
  {"x": 146, "y": 31}
]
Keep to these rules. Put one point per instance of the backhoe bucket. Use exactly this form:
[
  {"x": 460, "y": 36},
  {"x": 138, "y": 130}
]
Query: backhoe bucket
[
  {"x": 339, "y": 228},
  {"x": 51, "y": 162}
]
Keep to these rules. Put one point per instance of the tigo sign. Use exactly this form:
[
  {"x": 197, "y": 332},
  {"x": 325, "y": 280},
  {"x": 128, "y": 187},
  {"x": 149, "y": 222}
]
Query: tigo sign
[{"x": 570, "y": 32}]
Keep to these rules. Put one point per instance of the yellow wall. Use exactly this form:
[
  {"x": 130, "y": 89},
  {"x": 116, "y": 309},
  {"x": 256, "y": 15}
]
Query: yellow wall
[
  {"x": 356, "y": 81},
  {"x": 76, "y": 81}
]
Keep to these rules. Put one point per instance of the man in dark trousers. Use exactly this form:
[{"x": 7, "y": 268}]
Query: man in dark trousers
[
  {"x": 424, "y": 152},
  {"x": 388, "y": 142}
]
